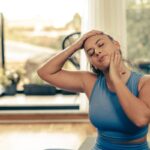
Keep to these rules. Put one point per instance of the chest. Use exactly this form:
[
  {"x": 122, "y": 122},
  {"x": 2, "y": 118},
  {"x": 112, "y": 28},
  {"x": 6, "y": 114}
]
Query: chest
[{"x": 106, "y": 113}]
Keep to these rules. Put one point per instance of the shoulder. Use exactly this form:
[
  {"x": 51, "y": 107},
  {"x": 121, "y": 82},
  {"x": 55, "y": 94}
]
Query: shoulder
[
  {"x": 144, "y": 81},
  {"x": 88, "y": 75},
  {"x": 89, "y": 80}
]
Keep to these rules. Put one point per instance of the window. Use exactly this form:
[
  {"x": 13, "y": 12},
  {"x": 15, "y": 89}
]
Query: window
[
  {"x": 34, "y": 31},
  {"x": 138, "y": 37},
  {"x": 1, "y": 41}
]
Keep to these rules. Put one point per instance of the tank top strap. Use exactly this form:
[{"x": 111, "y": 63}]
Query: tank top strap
[{"x": 134, "y": 81}]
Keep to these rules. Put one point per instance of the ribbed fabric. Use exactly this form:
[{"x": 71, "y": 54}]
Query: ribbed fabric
[
  {"x": 107, "y": 115},
  {"x": 104, "y": 144}
]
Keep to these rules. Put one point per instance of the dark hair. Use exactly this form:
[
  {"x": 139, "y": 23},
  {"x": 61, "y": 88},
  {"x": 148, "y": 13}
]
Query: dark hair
[{"x": 97, "y": 71}]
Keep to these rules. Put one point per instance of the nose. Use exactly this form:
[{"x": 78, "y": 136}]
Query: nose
[{"x": 98, "y": 51}]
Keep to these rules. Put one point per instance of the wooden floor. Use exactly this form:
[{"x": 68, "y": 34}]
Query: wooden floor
[{"x": 44, "y": 136}]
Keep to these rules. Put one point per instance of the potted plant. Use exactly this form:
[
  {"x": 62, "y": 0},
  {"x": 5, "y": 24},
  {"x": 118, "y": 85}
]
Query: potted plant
[
  {"x": 8, "y": 81},
  {"x": 4, "y": 82}
]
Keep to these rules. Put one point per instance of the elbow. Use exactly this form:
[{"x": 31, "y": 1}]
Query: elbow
[
  {"x": 141, "y": 122},
  {"x": 40, "y": 73},
  {"x": 43, "y": 74}
]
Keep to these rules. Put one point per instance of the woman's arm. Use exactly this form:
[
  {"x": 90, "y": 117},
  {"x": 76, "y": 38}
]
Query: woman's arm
[
  {"x": 53, "y": 73},
  {"x": 144, "y": 95},
  {"x": 136, "y": 108}
]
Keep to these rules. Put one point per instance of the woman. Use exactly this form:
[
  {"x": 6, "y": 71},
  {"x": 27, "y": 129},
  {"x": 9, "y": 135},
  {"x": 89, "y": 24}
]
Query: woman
[{"x": 119, "y": 97}]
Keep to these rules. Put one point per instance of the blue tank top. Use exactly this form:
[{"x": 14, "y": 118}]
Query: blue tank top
[{"x": 107, "y": 115}]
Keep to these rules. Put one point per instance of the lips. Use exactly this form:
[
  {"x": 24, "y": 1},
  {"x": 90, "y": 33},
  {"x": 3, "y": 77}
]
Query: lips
[{"x": 102, "y": 58}]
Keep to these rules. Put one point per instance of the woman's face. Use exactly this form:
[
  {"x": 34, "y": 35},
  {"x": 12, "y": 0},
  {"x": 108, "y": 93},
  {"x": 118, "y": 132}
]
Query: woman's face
[{"x": 99, "y": 49}]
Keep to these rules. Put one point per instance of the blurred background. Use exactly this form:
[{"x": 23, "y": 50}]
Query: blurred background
[{"x": 33, "y": 31}]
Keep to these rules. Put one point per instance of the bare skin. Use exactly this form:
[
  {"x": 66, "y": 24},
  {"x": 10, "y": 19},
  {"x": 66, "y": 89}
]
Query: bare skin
[{"x": 104, "y": 55}]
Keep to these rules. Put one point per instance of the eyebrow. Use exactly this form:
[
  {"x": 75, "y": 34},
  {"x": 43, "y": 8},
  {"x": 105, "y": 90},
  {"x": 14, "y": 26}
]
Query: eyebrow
[{"x": 95, "y": 43}]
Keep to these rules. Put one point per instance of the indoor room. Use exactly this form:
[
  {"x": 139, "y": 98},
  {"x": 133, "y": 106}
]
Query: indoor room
[{"x": 74, "y": 73}]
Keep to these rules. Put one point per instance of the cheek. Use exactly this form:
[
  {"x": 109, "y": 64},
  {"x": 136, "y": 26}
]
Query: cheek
[
  {"x": 91, "y": 60},
  {"x": 107, "y": 59},
  {"x": 94, "y": 62},
  {"x": 105, "y": 62}
]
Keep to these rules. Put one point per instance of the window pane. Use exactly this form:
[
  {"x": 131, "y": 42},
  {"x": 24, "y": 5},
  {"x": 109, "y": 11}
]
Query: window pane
[
  {"x": 34, "y": 31},
  {"x": 138, "y": 29}
]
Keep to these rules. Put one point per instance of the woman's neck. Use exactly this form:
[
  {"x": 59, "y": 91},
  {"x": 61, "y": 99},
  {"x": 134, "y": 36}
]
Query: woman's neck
[{"x": 124, "y": 74}]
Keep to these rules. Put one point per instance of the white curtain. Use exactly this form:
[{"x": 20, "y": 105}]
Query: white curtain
[{"x": 108, "y": 16}]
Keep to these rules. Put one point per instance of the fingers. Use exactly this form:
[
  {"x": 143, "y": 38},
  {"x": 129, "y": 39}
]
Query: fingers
[
  {"x": 92, "y": 33},
  {"x": 87, "y": 35},
  {"x": 95, "y": 32},
  {"x": 111, "y": 58},
  {"x": 116, "y": 58}
]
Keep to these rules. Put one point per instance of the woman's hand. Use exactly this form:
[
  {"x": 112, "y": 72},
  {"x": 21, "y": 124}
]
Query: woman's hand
[
  {"x": 114, "y": 69},
  {"x": 79, "y": 43}
]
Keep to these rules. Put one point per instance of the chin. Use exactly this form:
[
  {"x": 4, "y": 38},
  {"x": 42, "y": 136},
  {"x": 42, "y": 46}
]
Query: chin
[{"x": 104, "y": 66}]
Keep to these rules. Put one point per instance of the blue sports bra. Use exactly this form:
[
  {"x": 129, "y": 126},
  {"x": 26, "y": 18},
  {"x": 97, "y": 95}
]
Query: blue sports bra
[{"x": 107, "y": 115}]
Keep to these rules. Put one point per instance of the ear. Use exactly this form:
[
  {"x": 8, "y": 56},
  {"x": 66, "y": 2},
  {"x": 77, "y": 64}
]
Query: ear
[{"x": 117, "y": 44}]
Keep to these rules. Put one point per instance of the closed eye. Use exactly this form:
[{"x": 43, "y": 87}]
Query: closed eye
[
  {"x": 91, "y": 52},
  {"x": 100, "y": 44}
]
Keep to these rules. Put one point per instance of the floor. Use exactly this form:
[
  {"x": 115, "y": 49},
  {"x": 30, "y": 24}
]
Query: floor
[
  {"x": 35, "y": 136},
  {"x": 44, "y": 136}
]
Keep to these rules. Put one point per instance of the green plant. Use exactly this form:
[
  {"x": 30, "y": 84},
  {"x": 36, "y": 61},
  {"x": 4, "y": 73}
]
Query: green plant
[
  {"x": 8, "y": 77},
  {"x": 4, "y": 81}
]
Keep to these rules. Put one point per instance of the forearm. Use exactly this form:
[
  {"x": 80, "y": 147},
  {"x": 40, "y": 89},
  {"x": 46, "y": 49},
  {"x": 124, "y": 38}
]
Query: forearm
[
  {"x": 56, "y": 62},
  {"x": 135, "y": 109}
]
